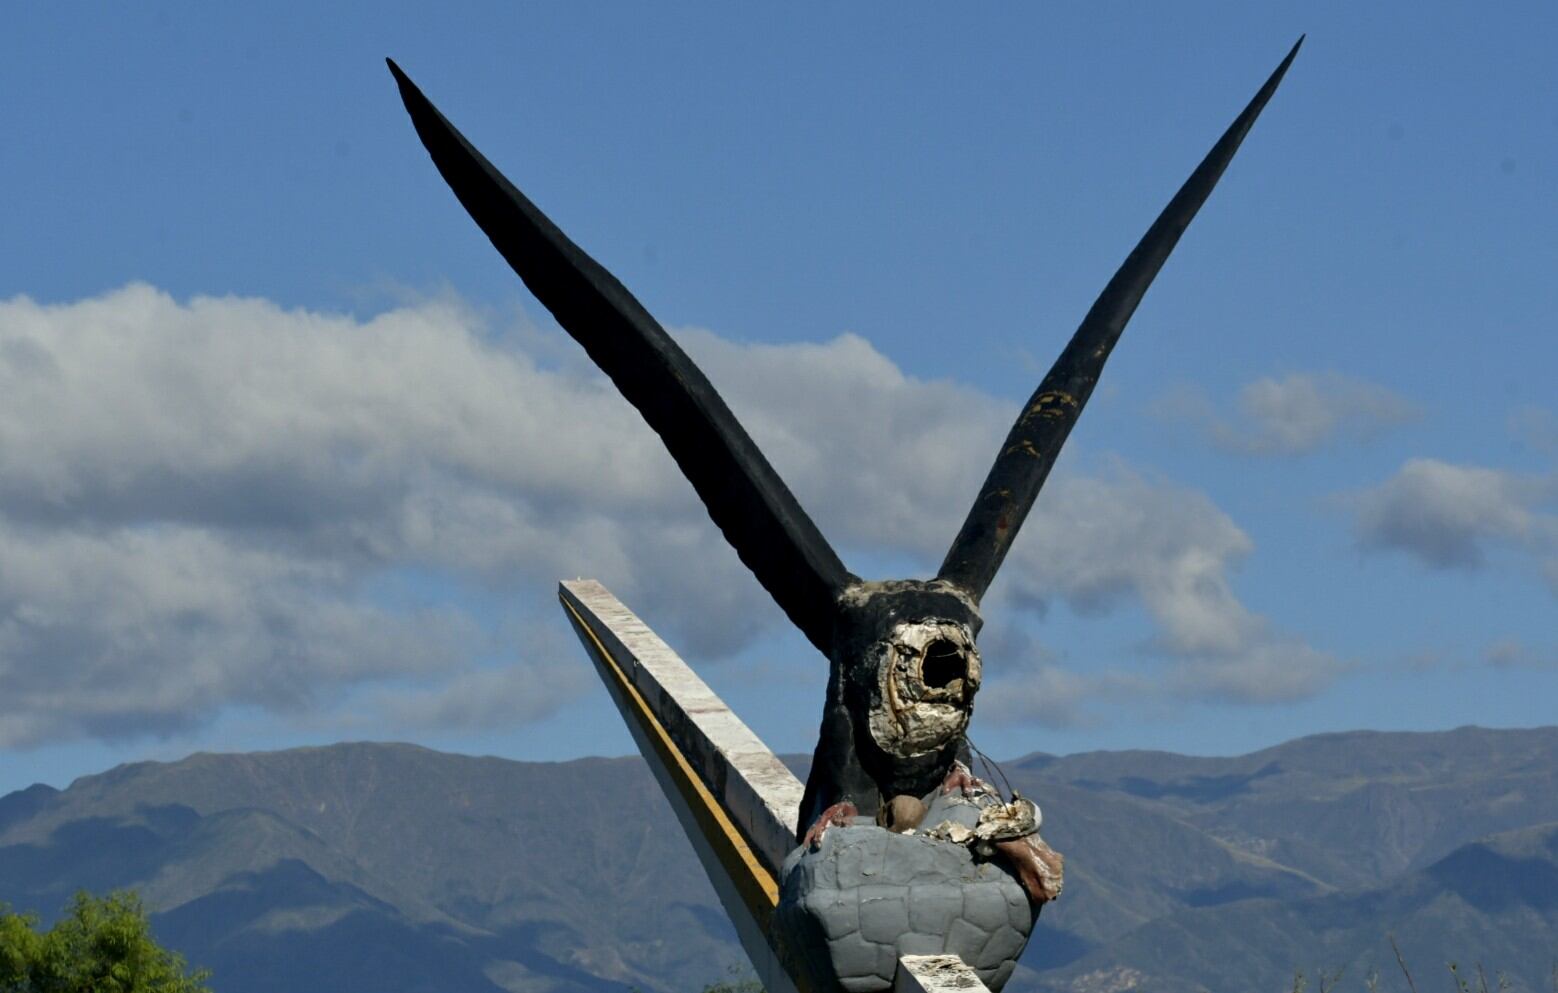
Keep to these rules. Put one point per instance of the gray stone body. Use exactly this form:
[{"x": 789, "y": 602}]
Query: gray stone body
[{"x": 866, "y": 896}]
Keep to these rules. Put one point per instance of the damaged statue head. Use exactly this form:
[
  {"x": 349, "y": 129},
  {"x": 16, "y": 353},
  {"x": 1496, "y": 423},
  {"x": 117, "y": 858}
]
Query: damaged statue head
[{"x": 904, "y": 666}]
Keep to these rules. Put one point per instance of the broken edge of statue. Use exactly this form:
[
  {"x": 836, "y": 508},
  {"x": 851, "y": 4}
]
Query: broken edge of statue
[{"x": 903, "y": 664}]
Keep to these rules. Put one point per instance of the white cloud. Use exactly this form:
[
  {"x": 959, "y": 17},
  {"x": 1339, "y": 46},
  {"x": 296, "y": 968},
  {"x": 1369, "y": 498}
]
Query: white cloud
[
  {"x": 1453, "y": 516},
  {"x": 1094, "y": 541},
  {"x": 1047, "y": 695},
  {"x": 208, "y": 503},
  {"x": 488, "y": 698},
  {"x": 1270, "y": 671},
  {"x": 153, "y": 628},
  {"x": 916, "y": 453},
  {"x": 1511, "y": 653},
  {"x": 1120, "y": 536},
  {"x": 1295, "y": 415},
  {"x": 1027, "y": 685},
  {"x": 878, "y": 458},
  {"x": 1503, "y": 653}
]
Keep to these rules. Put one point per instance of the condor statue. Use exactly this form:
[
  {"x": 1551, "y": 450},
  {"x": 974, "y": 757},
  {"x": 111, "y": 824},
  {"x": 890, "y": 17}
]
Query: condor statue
[{"x": 904, "y": 666}]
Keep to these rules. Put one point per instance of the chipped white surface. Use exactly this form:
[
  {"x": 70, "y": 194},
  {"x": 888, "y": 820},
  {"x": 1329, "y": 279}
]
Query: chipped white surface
[
  {"x": 918, "y": 715},
  {"x": 1009, "y": 820},
  {"x": 759, "y": 794},
  {"x": 936, "y": 974}
]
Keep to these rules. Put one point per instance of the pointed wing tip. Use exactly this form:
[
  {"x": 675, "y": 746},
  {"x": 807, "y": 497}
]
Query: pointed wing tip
[
  {"x": 1242, "y": 125},
  {"x": 1276, "y": 77},
  {"x": 409, "y": 94}
]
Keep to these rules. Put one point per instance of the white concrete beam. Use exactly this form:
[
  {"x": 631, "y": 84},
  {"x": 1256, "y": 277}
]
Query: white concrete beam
[
  {"x": 702, "y": 757},
  {"x": 757, "y": 791}
]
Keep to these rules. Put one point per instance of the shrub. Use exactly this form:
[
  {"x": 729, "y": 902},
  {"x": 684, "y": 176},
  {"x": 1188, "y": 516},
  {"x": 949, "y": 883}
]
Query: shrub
[{"x": 99, "y": 945}]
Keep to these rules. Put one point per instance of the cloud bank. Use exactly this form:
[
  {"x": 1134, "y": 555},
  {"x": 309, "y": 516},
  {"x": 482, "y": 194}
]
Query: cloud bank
[
  {"x": 1449, "y": 516},
  {"x": 220, "y": 503},
  {"x": 1295, "y": 415}
]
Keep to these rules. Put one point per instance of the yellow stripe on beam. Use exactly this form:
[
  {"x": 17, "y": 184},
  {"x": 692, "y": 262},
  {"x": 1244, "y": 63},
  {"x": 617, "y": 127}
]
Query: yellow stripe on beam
[{"x": 758, "y": 889}]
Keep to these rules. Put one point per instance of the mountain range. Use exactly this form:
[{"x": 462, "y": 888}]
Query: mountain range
[{"x": 390, "y": 867}]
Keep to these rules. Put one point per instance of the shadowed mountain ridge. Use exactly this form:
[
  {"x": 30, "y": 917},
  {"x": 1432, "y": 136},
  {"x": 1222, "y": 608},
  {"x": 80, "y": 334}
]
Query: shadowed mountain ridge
[{"x": 544, "y": 877}]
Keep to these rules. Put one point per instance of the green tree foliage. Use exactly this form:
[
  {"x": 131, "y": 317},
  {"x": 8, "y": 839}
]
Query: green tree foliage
[{"x": 99, "y": 946}]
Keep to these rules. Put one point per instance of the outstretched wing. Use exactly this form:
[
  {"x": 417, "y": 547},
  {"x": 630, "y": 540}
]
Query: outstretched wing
[
  {"x": 1035, "y": 440},
  {"x": 748, "y": 501}
]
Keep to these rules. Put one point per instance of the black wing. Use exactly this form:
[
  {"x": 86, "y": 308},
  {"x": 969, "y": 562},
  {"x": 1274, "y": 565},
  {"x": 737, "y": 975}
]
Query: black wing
[
  {"x": 1035, "y": 440},
  {"x": 746, "y": 498}
]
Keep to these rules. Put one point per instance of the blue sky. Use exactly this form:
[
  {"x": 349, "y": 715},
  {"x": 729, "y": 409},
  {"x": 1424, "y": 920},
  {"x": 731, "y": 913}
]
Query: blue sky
[{"x": 290, "y": 456}]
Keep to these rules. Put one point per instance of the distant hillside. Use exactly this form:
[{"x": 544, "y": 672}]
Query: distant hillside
[
  {"x": 380, "y": 863},
  {"x": 394, "y": 868},
  {"x": 1493, "y": 902},
  {"x": 1349, "y": 809}
]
